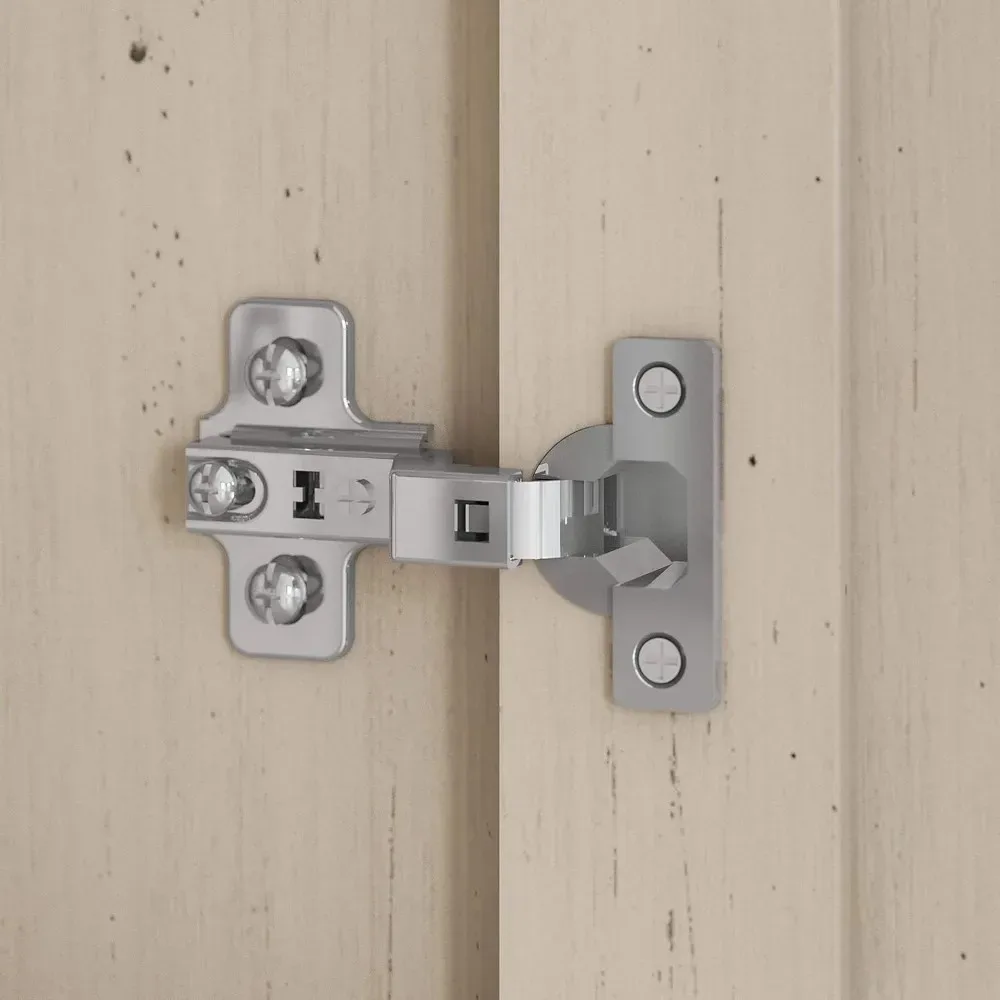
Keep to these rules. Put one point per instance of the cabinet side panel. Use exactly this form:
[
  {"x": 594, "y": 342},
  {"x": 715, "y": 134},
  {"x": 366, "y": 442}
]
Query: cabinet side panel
[{"x": 179, "y": 821}]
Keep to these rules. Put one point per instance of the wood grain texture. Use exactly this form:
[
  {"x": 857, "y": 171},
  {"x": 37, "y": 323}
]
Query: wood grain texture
[
  {"x": 673, "y": 168},
  {"x": 815, "y": 186},
  {"x": 180, "y": 822},
  {"x": 925, "y": 556}
]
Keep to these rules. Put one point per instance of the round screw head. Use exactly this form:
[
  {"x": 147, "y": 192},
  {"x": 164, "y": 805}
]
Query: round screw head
[
  {"x": 214, "y": 489},
  {"x": 279, "y": 593},
  {"x": 279, "y": 373},
  {"x": 659, "y": 661},
  {"x": 659, "y": 389}
]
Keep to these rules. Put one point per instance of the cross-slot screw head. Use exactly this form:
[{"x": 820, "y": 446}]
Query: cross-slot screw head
[
  {"x": 216, "y": 488},
  {"x": 659, "y": 661},
  {"x": 279, "y": 373},
  {"x": 659, "y": 389},
  {"x": 281, "y": 592}
]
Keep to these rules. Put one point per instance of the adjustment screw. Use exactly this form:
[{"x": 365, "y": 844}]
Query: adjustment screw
[
  {"x": 279, "y": 593},
  {"x": 215, "y": 489},
  {"x": 280, "y": 372},
  {"x": 659, "y": 389},
  {"x": 659, "y": 661}
]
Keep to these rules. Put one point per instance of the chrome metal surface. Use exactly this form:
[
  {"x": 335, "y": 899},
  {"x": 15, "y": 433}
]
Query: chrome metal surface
[
  {"x": 556, "y": 518},
  {"x": 660, "y": 572},
  {"x": 659, "y": 661},
  {"x": 215, "y": 488},
  {"x": 323, "y": 478},
  {"x": 280, "y": 372},
  {"x": 329, "y": 330},
  {"x": 452, "y": 515},
  {"x": 280, "y": 593},
  {"x": 293, "y": 481},
  {"x": 324, "y": 635},
  {"x": 659, "y": 389}
]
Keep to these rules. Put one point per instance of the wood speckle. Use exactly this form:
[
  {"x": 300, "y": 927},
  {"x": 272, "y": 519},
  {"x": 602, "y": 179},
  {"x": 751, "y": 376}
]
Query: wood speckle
[
  {"x": 753, "y": 461},
  {"x": 137, "y": 52}
]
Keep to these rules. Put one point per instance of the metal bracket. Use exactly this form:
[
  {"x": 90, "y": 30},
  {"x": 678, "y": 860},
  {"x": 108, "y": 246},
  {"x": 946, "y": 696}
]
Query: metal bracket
[{"x": 293, "y": 481}]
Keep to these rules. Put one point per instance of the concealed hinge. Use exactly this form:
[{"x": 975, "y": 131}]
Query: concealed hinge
[{"x": 623, "y": 519}]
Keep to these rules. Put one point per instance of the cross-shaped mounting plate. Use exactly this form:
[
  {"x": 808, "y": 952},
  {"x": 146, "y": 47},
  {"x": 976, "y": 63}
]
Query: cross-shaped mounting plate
[{"x": 323, "y": 466}]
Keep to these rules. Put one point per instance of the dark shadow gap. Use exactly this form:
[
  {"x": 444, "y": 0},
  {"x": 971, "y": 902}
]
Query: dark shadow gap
[{"x": 473, "y": 686}]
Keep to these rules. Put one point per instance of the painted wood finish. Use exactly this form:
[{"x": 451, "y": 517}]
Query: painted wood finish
[
  {"x": 178, "y": 821},
  {"x": 811, "y": 185}
]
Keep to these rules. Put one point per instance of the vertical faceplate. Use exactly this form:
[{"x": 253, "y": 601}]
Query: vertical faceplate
[
  {"x": 659, "y": 466},
  {"x": 689, "y": 611}
]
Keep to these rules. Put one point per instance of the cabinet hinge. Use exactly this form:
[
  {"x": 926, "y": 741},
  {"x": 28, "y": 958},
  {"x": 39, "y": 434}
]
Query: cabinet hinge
[{"x": 622, "y": 519}]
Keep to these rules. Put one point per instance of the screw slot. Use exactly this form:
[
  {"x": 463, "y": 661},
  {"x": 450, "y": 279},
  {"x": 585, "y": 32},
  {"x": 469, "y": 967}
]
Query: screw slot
[
  {"x": 284, "y": 372},
  {"x": 659, "y": 389},
  {"x": 217, "y": 488},
  {"x": 659, "y": 660},
  {"x": 285, "y": 590}
]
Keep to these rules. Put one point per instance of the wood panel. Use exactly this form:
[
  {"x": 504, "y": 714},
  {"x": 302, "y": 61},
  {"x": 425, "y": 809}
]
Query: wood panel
[
  {"x": 814, "y": 187},
  {"x": 925, "y": 589},
  {"x": 673, "y": 168},
  {"x": 179, "y": 821}
]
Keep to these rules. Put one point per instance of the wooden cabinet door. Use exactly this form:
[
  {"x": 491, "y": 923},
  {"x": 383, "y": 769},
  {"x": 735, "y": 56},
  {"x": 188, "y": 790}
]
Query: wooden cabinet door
[
  {"x": 179, "y": 821},
  {"x": 813, "y": 186}
]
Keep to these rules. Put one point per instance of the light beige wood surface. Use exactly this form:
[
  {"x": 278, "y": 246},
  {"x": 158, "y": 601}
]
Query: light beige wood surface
[
  {"x": 813, "y": 186},
  {"x": 177, "y": 821},
  {"x": 924, "y": 676}
]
